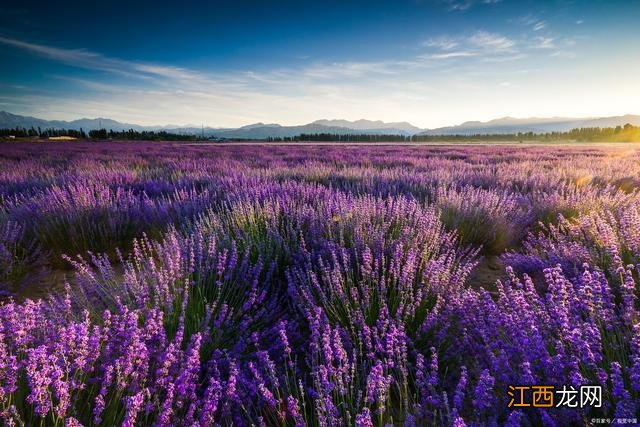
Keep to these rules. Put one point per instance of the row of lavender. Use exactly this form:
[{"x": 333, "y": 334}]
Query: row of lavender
[{"x": 316, "y": 285}]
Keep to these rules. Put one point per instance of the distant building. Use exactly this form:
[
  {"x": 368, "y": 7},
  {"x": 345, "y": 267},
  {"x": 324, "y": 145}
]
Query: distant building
[{"x": 62, "y": 138}]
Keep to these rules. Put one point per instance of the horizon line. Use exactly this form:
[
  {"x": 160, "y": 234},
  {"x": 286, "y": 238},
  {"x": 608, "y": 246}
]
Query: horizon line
[{"x": 189, "y": 125}]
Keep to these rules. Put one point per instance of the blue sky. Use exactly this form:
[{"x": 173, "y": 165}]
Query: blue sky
[{"x": 429, "y": 62}]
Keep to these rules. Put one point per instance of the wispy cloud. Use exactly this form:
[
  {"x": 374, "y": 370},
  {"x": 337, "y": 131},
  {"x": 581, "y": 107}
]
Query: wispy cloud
[
  {"x": 533, "y": 22},
  {"x": 562, "y": 53},
  {"x": 462, "y": 5},
  {"x": 91, "y": 60},
  {"x": 442, "y": 42},
  {"x": 482, "y": 45},
  {"x": 544, "y": 43},
  {"x": 491, "y": 41},
  {"x": 448, "y": 55},
  {"x": 541, "y": 25}
]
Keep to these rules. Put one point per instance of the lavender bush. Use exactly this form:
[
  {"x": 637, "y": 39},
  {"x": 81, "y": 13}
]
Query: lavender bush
[
  {"x": 18, "y": 256},
  {"x": 244, "y": 285}
]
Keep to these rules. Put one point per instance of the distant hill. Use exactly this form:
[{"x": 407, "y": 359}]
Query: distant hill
[
  {"x": 260, "y": 131},
  {"x": 256, "y": 130},
  {"x": 8, "y": 120},
  {"x": 397, "y": 127},
  {"x": 536, "y": 125},
  {"x": 266, "y": 131},
  {"x": 504, "y": 125}
]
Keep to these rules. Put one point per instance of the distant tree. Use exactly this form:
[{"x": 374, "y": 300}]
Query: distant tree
[{"x": 98, "y": 134}]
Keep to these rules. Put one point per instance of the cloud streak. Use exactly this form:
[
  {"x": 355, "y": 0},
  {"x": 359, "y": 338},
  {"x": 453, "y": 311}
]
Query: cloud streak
[
  {"x": 544, "y": 43},
  {"x": 462, "y": 5},
  {"x": 91, "y": 60},
  {"x": 442, "y": 42},
  {"x": 481, "y": 45},
  {"x": 541, "y": 25},
  {"x": 490, "y": 41}
]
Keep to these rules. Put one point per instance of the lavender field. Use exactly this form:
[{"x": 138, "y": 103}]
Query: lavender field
[{"x": 172, "y": 284}]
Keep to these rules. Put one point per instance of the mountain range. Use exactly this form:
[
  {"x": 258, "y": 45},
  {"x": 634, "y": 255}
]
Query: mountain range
[
  {"x": 503, "y": 125},
  {"x": 536, "y": 125}
]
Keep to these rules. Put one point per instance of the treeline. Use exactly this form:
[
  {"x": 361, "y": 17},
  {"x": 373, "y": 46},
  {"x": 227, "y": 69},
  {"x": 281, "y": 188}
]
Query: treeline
[
  {"x": 20, "y": 132},
  {"x": 340, "y": 137},
  {"x": 142, "y": 135},
  {"x": 97, "y": 134},
  {"x": 323, "y": 137},
  {"x": 626, "y": 133}
]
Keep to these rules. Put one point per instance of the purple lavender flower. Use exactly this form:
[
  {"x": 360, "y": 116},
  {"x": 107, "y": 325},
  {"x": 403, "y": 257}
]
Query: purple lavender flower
[
  {"x": 363, "y": 419},
  {"x": 378, "y": 384},
  {"x": 483, "y": 395}
]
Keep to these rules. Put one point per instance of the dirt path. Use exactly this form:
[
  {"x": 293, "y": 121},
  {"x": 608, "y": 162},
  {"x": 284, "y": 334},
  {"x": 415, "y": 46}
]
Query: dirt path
[{"x": 487, "y": 273}]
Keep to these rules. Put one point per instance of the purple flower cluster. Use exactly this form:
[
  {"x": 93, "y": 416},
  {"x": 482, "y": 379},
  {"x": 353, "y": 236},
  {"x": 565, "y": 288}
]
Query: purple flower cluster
[{"x": 316, "y": 285}]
